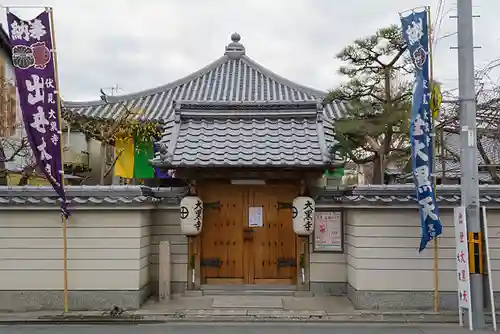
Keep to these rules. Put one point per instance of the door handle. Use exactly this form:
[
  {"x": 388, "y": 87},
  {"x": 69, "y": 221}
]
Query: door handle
[{"x": 248, "y": 234}]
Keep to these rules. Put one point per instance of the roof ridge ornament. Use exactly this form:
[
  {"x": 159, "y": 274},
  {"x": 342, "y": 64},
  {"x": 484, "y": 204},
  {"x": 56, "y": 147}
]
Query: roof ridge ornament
[{"x": 235, "y": 49}]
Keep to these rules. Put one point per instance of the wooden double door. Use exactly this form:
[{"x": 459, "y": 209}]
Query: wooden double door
[{"x": 247, "y": 235}]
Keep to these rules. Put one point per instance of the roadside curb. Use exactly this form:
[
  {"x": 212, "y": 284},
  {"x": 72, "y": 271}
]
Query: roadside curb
[{"x": 180, "y": 317}]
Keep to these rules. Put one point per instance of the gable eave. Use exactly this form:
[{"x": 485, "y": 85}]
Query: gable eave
[
  {"x": 193, "y": 76},
  {"x": 159, "y": 89}
]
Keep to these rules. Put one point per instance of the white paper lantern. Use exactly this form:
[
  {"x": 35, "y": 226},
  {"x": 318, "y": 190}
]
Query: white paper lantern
[
  {"x": 191, "y": 215},
  {"x": 303, "y": 215}
]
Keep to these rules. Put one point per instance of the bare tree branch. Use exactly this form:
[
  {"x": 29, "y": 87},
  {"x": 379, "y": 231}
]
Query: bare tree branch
[
  {"x": 110, "y": 168},
  {"x": 488, "y": 119}
]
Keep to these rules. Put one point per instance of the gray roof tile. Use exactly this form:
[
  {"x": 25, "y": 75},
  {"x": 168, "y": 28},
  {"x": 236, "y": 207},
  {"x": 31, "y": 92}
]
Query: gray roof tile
[
  {"x": 233, "y": 77},
  {"x": 84, "y": 195},
  {"x": 112, "y": 196},
  {"x": 239, "y": 135},
  {"x": 452, "y": 160},
  {"x": 400, "y": 195}
]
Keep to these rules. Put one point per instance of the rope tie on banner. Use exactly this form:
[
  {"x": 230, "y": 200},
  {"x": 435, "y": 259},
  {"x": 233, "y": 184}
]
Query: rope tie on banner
[{"x": 413, "y": 10}]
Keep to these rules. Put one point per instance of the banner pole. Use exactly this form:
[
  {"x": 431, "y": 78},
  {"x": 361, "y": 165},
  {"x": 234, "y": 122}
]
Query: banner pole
[
  {"x": 436, "y": 242},
  {"x": 64, "y": 220},
  {"x": 24, "y": 7}
]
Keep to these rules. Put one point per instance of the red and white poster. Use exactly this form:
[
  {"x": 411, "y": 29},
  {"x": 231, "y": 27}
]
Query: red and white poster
[{"x": 328, "y": 231}]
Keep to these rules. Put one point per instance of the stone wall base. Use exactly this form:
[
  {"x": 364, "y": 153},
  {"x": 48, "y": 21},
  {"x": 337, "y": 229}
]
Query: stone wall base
[
  {"x": 22, "y": 301},
  {"x": 328, "y": 288},
  {"x": 406, "y": 300},
  {"x": 177, "y": 287}
]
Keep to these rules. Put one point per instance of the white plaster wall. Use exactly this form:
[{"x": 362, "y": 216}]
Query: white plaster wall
[
  {"x": 166, "y": 227},
  {"x": 79, "y": 143},
  {"x": 327, "y": 267},
  {"x": 382, "y": 251},
  {"x": 107, "y": 250}
]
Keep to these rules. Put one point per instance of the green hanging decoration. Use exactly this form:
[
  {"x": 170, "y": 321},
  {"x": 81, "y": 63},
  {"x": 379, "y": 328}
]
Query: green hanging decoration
[{"x": 336, "y": 172}]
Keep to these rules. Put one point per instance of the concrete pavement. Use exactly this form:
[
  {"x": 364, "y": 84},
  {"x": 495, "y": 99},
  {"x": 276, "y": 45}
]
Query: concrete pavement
[
  {"x": 240, "y": 328},
  {"x": 263, "y": 309},
  {"x": 228, "y": 315}
]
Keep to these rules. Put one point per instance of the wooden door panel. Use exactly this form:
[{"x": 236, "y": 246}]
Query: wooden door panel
[
  {"x": 222, "y": 236},
  {"x": 264, "y": 248},
  {"x": 275, "y": 240},
  {"x": 287, "y": 251},
  {"x": 248, "y": 257}
]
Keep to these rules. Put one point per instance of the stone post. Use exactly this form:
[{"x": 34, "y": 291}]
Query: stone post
[{"x": 165, "y": 271}]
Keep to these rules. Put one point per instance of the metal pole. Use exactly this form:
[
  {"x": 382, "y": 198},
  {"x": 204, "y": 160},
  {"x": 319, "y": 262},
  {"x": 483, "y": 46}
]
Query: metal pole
[
  {"x": 434, "y": 179},
  {"x": 468, "y": 154}
]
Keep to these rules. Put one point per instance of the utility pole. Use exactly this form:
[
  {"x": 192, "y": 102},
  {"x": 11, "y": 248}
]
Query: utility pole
[{"x": 468, "y": 151}]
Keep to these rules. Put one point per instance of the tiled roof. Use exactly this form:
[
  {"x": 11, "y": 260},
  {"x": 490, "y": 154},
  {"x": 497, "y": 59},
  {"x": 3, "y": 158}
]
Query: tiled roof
[
  {"x": 239, "y": 135},
  {"x": 452, "y": 170},
  {"x": 119, "y": 196},
  {"x": 452, "y": 160},
  {"x": 233, "y": 77},
  {"x": 399, "y": 195},
  {"x": 83, "y": 195}
]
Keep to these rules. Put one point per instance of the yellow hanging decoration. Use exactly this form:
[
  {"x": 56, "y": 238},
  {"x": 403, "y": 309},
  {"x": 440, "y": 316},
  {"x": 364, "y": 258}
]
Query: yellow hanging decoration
[{"x": 436, "y": 100}]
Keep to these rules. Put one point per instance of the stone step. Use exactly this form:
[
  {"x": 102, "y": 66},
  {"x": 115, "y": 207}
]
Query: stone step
[
  {"x": 234, "y": 292},
  {"x": 248, "y": 287},
  {"x": 247, "y": 302}
]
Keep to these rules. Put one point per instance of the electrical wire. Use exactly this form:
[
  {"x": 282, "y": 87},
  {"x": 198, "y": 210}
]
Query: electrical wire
[{"x": 437, "y": 22}]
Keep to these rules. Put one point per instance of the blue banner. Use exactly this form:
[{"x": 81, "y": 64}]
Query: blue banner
[{"x": 416, "y": 34}]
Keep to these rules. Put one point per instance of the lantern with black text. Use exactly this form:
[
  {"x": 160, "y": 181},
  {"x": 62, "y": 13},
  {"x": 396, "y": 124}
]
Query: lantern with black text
[
  {"x": 191, "y": 215},
  {"x": 303, "y": 215}
]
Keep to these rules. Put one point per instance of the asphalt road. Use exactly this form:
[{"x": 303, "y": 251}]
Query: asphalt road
[{"x": 291, "y": 328}]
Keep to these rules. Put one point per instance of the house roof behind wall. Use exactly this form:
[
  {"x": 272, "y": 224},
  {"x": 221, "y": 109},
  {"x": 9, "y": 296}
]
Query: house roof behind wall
[
  {"x": 450, "y": 163},
  {"x": 491, "y": 147}
]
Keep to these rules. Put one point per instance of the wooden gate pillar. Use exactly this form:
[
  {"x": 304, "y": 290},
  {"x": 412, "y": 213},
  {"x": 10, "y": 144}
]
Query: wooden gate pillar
[
  {"x": 194, "y": 275},
  {"x": 303, "y": 263}
]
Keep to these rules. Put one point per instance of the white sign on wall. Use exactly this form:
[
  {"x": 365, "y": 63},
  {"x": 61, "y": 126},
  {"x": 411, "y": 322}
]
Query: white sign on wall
[
  {"x": 255, "y": 218},
  {"x": 462, "y": 259},
  {"x": 328, "y": 233}
]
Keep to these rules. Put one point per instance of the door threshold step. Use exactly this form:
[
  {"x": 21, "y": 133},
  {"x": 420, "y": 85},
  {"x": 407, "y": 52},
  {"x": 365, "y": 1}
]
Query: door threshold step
[
  {"x": 266, "y": 287},
  {"x": 223, "y": 292},
  {"x": 259, "y": 302}
]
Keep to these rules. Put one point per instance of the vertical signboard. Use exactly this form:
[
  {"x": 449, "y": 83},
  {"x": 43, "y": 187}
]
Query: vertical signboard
[{"x": 462, "y": 258}]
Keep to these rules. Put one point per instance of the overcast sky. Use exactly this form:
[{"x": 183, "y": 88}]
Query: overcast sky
[{"x": 140, "y": 44}]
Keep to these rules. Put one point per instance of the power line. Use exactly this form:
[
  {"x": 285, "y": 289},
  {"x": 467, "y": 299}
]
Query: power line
[{"x": 437, "y": 23}]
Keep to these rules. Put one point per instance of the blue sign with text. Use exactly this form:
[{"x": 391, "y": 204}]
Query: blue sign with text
[{"x": 416, "y": 34}]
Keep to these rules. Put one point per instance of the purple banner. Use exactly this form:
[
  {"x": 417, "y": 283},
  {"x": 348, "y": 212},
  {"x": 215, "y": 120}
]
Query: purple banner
[
  {"x": 31, "y": 43},
  {"x": 162, "y": 173}
]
